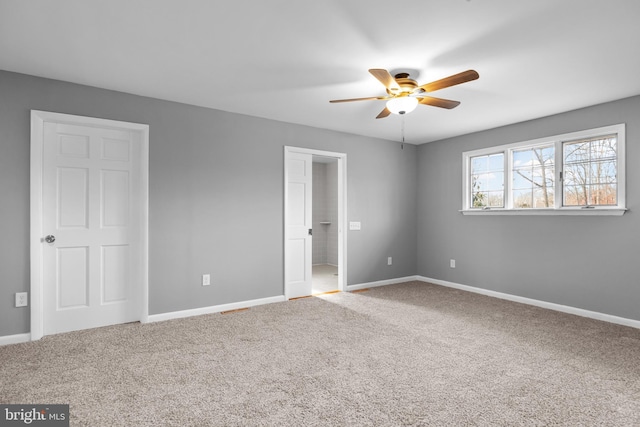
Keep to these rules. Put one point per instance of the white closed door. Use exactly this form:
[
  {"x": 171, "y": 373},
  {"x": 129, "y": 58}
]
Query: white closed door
[
  {"x": 91, "y": 270},
  {"x": 299, "y": 178}
]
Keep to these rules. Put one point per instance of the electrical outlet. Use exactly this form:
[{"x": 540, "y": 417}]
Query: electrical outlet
[
  {"x": 22, "y": 299},
  {"x": 206, "y": 279},
  {"x": 389, "y": 261},
  {"x": 452, "y": 263}
]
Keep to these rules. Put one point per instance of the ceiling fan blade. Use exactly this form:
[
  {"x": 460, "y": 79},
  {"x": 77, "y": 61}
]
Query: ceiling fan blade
[
  {"x": 384, "y": 113},
  {"x": 385, "y": 78},
  {"x": 456, "y": 79},
  {"x": 438, "y": 102},
  {"x": 371, "y": 98}
]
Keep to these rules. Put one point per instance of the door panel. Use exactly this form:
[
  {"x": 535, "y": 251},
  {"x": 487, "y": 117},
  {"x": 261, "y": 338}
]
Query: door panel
[
  {"x": 297, "y": 204},
  {"x": 74, "y": 146},
  {"x": 72, "y": 200},
  {"x": 296, "y": 260},
  {"x": 73, "y": 280},
  {"x": 115, "y": 273},
  {"x": 90, "y": 178},
  {"x": 299, "y": 243},
  {"x": 116, "y": 149},
  {"x": 115, "y": 198}
]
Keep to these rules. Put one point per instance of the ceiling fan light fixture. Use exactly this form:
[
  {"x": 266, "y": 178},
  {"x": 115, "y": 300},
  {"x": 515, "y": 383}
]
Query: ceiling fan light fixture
[{"x": 402, "y": 105}]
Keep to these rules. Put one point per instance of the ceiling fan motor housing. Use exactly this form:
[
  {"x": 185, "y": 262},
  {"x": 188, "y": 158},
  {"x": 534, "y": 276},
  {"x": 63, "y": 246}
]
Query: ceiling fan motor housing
[{"x": 407, "y": 85}]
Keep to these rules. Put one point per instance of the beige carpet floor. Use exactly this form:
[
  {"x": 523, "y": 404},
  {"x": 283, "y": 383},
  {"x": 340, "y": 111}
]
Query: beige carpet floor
[{"x": 411, "y": 354}]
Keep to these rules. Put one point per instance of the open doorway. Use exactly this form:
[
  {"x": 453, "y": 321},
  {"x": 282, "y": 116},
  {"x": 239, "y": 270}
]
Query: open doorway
[
  {"x": 325, "y": 225},
  {"x": 314, "y": 239}
]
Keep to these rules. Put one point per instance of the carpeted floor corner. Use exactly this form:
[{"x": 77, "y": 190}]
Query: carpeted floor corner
[{"x": 412, "y": 354}]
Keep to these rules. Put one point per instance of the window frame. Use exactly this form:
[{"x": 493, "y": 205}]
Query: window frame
[{"x": 558, "y": 142}]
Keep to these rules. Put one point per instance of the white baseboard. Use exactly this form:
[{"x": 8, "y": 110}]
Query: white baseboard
[
  {"x": 381, "y": 283},
  {"x": 14, "y": 339},
  {"x": 213, "y": 309},
  {"x": 20, "y": 338},
  {"x": 544, "y": 304}
]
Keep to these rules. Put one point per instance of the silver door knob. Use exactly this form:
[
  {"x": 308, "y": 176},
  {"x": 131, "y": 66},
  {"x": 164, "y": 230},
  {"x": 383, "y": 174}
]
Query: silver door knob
[{"x": 50, "y": 238}]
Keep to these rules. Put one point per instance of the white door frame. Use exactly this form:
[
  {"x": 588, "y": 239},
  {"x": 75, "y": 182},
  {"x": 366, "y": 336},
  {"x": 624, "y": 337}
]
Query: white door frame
[
  {"x": 38, "y": 119},
  {"x": 342, "y": 211}
]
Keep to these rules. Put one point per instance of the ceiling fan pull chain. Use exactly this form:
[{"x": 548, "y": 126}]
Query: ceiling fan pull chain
[{"x": 402, "y": 145}]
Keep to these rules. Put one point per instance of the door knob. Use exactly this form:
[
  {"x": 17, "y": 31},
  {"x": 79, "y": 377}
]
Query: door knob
[
  {"x": 50, "y": 238},
  {"x": 310, "y": 232}
]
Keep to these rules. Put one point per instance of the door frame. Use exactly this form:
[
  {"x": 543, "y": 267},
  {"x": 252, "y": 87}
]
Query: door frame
[
  {"x": 342, "y": 211},
  {"x": 38, "y": 119}
]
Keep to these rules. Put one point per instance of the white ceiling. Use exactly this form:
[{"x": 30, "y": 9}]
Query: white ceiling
[{"x": 285, "y": 59}]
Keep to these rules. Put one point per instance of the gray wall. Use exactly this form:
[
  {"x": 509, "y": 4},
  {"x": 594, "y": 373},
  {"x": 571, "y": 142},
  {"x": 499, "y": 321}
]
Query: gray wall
[
  {"x": 591, "y": 263},
  {"x": 216, "y": 196}
]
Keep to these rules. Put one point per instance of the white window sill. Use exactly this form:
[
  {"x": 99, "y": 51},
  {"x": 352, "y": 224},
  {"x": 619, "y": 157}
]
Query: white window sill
[{"x": 563, "y": 211}]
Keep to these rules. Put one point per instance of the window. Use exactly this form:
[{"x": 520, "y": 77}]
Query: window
[
  {"x": 533, "y": 177},
  {"x": 487, "y": 181},
  {"x": 590, "y": 172},
  {"x": 575, "y": 173}
]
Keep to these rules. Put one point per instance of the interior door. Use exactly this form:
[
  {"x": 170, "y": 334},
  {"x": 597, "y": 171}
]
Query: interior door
[
  {"x": 299, "y": 178},
  {"x": 91, "y": 274}
]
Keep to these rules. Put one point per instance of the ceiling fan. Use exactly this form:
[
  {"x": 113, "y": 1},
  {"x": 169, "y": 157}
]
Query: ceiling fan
[{"x": 404, "y": 94}]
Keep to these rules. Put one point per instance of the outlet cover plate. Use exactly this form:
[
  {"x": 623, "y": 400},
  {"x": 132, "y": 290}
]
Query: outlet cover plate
[
  {"x": 206, "y": 279},
  {"x": 22, "y": 299}
]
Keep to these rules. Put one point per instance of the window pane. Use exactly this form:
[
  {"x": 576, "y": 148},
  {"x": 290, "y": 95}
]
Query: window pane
[
  {"x": 479, "y": 199},
  {"x": 533, "y": 177},
  {"x": 496, "y": 199},
  {"x": 495, "y": 181},
  {"x": 603, "y": 195},
  {"x": 496, "y": 162},
  {"x": 603, "y": 172},
  {"x": 575, "y": 175},
  {"x": 487, "y": 181},
  {"x": 479, "y": 164},
  {"x": 548, "y": 152},
  {"x": 575, "y": 195},
  {"x": 543, "y": 177},
  {"x": 590, "y": 172},
  {"x": 542, "y": 198},
  {"x": 522, "y": 158},
  {"x": 576, "y": 152},
  {"x": 479, "y": 182},
  {"x": 521, "y": 181},
  {"x": 522, "y": 198},
  {"x": 604, "y": 148}
]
